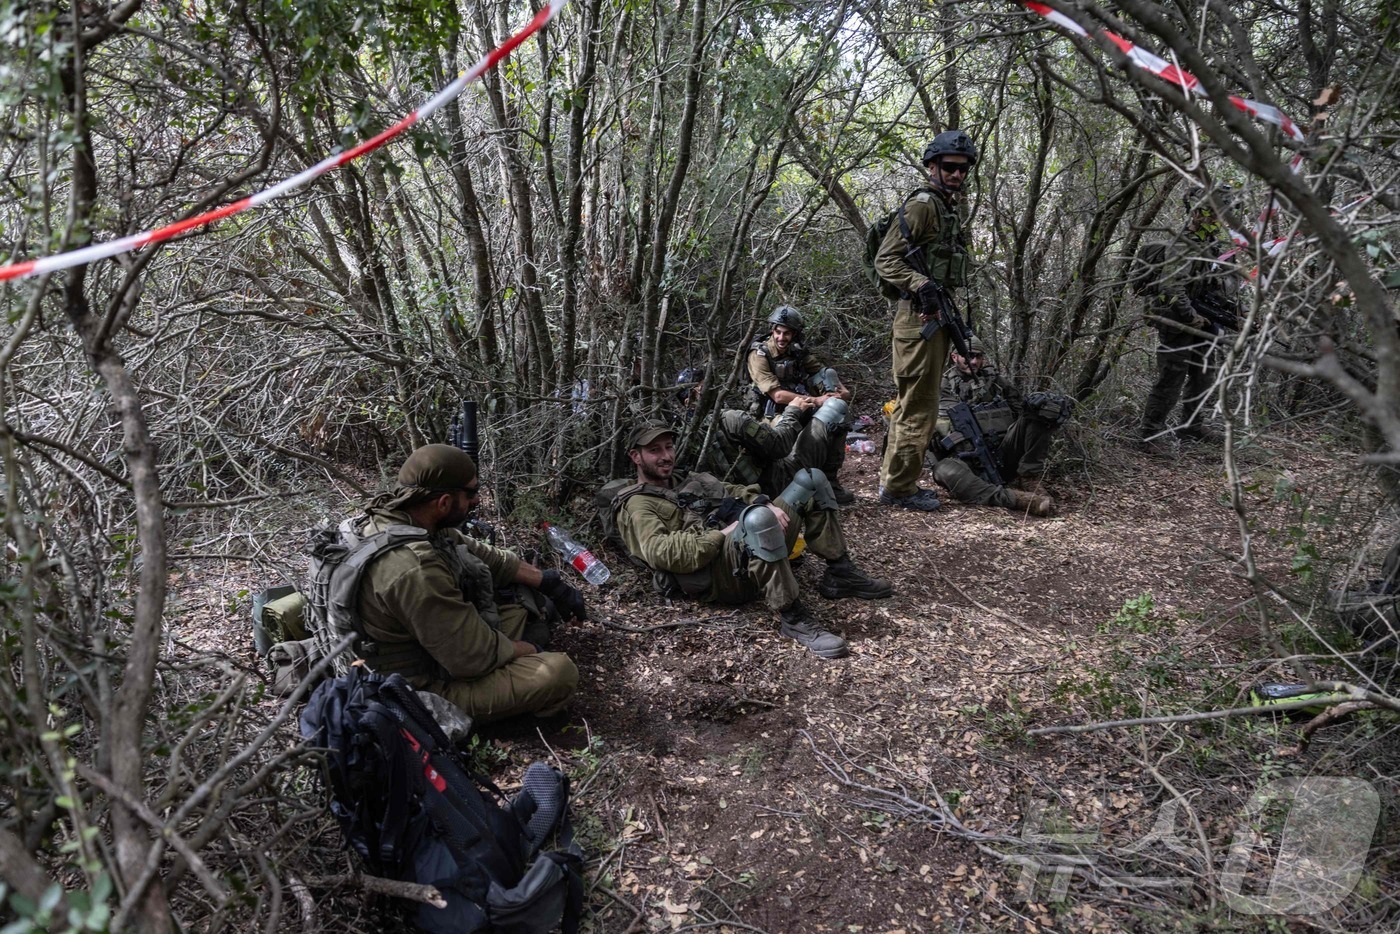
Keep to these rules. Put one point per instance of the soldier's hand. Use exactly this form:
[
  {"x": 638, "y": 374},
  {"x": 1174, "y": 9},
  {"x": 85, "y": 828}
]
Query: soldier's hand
[
  {"x": 524, "y": 648},
  {"x": 568, "y": 599},
  {"x": 780, "y": 514},
  {"x": 1198, "y": 322}
]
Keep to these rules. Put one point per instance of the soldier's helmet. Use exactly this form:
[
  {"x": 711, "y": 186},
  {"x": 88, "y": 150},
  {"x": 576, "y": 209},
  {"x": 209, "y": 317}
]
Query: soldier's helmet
[
  {"x": 1223, "y": 194},
  {"x": 686, "y": 379},
  {"x": 788, "y": 317},
  {"x": 951, "y": 143}
]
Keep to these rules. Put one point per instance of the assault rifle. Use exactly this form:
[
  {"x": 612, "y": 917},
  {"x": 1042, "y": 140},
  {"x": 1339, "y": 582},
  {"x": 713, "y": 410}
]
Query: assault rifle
[
  {"x": 965, "y": 423},
  {"x": 942, "y": 313},
  {"x": 939, "y": 307},
  {"x": 1220, "y": 313}
]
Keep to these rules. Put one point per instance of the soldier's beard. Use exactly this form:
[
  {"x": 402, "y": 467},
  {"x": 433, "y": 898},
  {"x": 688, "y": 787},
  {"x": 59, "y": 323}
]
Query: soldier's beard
[{"x": 654, "y": 474}]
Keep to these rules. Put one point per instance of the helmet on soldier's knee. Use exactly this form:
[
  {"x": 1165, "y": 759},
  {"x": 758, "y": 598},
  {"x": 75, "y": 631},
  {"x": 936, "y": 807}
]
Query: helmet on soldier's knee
[
  {"x": 788, "y": 317},
  {"x": 762, "y": 534},
  {"x": 832, "y": 412}
]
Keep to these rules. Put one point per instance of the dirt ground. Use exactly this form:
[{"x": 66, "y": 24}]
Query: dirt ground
[{"x": 727, "y": 780}]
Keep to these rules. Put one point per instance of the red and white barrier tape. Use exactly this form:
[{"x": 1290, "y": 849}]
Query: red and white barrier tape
[
  {"x": 1169, "y": 72},
  {"x": 88, "y": 254},
  {"x": 1191, "y": 84}
]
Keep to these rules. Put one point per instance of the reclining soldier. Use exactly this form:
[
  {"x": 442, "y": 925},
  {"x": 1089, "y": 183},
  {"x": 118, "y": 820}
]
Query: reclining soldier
[
  {"x": 455, "y": 616},
  {"x": 724, "y": 543},
  {"x": 1015, "y": 436},
  {"x": 784, "y": 374}
]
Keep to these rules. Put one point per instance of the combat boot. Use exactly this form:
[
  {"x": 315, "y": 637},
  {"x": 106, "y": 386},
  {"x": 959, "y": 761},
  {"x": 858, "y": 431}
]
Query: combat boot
[
  {"x": 921, "y": 499},
  {"x": 798, "y": 624},
  {"x": 1200, "y": 434},
  {"x": 1030, "y": 485},
  {"x": 1036, "y": 504},
  {"x": 1158, "y": 445},
  {"x": 844, "y": 579},
  {"x": 844, "y": 497}
]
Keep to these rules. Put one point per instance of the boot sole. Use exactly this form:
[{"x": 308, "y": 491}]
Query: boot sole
[{"x": 836, "y": 593}]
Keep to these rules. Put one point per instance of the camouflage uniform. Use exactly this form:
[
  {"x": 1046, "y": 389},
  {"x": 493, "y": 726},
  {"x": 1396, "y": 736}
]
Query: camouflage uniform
[
  {"x": 686, "y": 556},
  {"x": 436, "y": 622},
  {"x": 770, "y": 370},
  {"x": 935, "y": 225},
  {"x": 1184, "y": 361},
  {"x": 1020, "y": 439}
]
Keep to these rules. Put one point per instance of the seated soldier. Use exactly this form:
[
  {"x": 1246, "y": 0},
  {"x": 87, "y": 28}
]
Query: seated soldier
[
  {"x": 724, "y": 543},
  {"x": 428, "y": 607},
  {"x": 783, "y": 374},
  {"x": 750, "y": 450},
  {"x": 1016, "y": 435}
]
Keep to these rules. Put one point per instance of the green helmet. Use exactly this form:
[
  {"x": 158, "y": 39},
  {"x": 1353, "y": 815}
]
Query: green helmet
[
  {"x": 951, "y": 143},
  {"x": 788, "y": 317}
]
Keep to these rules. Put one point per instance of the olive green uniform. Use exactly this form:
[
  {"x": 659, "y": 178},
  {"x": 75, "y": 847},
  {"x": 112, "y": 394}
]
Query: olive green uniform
[
  {"x": 687, "y": 557},
  {"x": 1184, "y": 361},
  {"x": 935, "y": 225},
  {"x": 1020, "y": 439},
  {"x": 769, "y": 454},
  {"x": 791, "y": 370},
  {"x": 413, "y": 606}
]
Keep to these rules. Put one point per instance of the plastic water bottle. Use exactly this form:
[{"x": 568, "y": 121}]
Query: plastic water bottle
[
  {"x": 861, "y": 446},
  {"x": 593, "y": 570}
]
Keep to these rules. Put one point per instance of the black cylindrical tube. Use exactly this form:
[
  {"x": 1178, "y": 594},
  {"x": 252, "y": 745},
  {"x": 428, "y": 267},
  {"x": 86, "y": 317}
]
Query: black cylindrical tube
[{"x": 469, "y": 441}]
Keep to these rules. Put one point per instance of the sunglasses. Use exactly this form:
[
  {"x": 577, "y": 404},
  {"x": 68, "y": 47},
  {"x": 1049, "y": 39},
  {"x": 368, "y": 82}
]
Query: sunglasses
[{"x": 955, "y": 168}]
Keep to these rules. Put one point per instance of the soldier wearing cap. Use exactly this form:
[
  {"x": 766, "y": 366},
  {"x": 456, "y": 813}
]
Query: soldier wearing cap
[
  {"x": 430, "y": 607},
  {"x": 1017, "y": 431},
  {"x": 785, "y": 375},
  {"x": 723, "y": 543}
]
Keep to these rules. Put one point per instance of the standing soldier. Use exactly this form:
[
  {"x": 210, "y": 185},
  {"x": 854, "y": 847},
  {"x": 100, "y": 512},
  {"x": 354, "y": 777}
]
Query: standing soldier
[
  {"x": 785, "y": 374},
  {"x": 913, "y": 272},
  {"x": 1183, "y": 282}
]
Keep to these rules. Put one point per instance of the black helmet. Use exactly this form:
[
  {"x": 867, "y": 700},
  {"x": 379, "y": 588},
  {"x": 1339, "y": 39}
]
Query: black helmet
[
  {"x": 691, "y": 374},
  {"x": 788, "y": 317},
  {"x": 951, "y": 143},
  {"x": 1222, "y": 194}
]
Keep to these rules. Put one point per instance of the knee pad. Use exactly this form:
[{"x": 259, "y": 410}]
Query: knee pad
[
  {"x": 827, "y": 380},
  {"x": 809, "y": 484},
  {"x": 761, "y": 534},
  {"x": 832, "y": 413}
]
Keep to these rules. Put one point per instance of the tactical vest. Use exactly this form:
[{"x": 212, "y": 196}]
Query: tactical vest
[
  {"x": 945, "y": 253},
  {"x": 790, "y": 372},
  {"x": 339, "y": 559},
  {"x": 993, "y": 418}
]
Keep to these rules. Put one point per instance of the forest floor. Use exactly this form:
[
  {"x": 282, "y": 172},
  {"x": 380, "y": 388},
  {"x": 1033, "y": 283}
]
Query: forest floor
[{"x": 727, "y": 780}]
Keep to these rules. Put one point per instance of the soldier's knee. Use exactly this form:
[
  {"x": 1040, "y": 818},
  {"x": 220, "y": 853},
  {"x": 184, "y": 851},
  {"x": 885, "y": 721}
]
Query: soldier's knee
[
  {"x": 947, "y": 470},
  {"x": 808, "y": 485},
  {"x": 560, "y": 672}
]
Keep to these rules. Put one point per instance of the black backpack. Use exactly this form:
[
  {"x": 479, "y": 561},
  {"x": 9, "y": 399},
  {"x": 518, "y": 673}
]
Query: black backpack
[{"x": 414, "y": 813}]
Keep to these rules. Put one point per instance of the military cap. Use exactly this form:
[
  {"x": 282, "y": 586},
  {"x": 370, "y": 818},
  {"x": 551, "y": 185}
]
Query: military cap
[
  {"x": 438, "y": 467},
  {"x": 647, "y": 432},
  {"x": 975, "y": 345}
]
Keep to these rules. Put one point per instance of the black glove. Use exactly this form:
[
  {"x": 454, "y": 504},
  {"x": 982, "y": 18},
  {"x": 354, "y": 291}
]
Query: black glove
[
  {"x": 567, "y": 598},
  {"x": 931, "y": 301}
]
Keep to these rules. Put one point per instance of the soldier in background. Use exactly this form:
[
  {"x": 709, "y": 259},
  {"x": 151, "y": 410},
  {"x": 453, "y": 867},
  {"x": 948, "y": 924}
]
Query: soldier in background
[
  {"x": 784, "y": 373},
  {"x": 1017, "y": 433}
]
